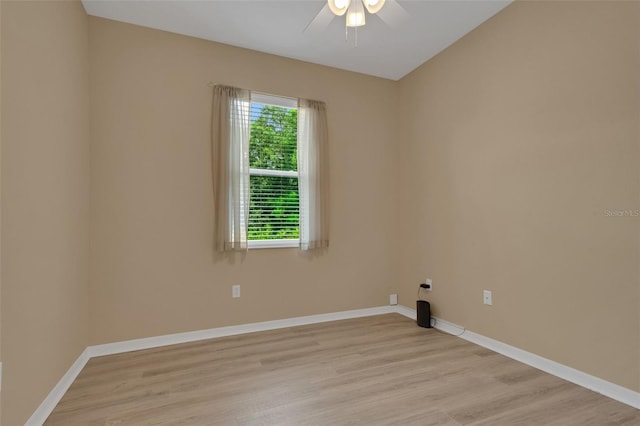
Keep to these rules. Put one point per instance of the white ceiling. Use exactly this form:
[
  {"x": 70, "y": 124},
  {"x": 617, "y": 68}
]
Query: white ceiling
[{"x": 278, "y": 27}]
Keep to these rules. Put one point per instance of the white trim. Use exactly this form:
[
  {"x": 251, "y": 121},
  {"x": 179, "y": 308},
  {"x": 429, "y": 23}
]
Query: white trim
[
  {"x": 448, "y": 327},
  {"x": 407, "y": 312},
  {"x": 611, "y": 390},
  {"x": 273, "y": 173},
  {"x": 212, "y": 333},
  {"x": 46, "y": 407},
  {"x": 606, "y": 388},
  {"x": 572, "y": 375},
  {"x": 267, "y": 99},
  {"x": 54, "y": 397},
  {"x": 262, "y": 244}
]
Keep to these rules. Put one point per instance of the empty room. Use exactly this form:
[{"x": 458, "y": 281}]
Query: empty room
[{"x": 319, "y": 212}]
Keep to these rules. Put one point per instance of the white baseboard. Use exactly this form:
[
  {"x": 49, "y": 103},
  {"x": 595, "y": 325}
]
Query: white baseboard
[
  {"x": 603, "y": 387},
  {"x": 611, "y": 390},
  {"x": 54, "y": 397},
  {"x": 403, "y": 310},
  {"x": 572, "y": 375},
  {"x": 212, "y": 333},
  {"x": 56, "y": 394}
]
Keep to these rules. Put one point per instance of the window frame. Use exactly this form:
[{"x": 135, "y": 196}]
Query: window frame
[{"x": 285, "y": 102}]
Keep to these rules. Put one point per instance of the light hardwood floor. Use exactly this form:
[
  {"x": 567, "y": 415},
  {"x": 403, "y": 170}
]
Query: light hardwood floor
[{"x": 381, "y": 370}]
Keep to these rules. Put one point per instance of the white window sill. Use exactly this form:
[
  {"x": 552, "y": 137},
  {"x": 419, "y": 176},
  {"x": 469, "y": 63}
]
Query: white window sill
[{"x": 262, "y": 244}]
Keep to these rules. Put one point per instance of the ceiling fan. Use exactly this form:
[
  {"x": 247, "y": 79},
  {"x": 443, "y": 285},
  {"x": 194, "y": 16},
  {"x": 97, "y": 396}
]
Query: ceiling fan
[{"x": 389, "y": 11}]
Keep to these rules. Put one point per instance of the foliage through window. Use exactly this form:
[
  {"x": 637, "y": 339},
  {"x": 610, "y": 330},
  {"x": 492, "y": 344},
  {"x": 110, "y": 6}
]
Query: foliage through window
[{"x": 274, "y": 210}]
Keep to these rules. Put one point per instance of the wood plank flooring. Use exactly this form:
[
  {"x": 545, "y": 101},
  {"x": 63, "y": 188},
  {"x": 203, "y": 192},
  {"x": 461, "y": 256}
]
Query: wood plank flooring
[{"x": 381, "y": 370}]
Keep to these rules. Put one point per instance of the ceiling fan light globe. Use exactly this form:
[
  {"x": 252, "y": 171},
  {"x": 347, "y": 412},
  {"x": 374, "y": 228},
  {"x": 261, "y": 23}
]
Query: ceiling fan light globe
[
  {"x": 338, "y": 7},
  {"x": 373, "y": 6},
  {"x": 355, "y": 19}
]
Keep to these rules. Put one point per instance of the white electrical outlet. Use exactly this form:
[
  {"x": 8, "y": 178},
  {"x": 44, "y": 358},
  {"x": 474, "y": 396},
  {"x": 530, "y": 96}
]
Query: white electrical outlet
[
  {"x": 235, "y": 291},
  {"x": 487, "y": 297},
  {"x": 429, "y": 284},
  {"x": 393, "y": 299}
]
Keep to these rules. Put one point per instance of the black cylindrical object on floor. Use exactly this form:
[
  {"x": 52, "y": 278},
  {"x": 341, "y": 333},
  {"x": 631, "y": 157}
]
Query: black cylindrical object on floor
[{"x": 424, "y": 313}]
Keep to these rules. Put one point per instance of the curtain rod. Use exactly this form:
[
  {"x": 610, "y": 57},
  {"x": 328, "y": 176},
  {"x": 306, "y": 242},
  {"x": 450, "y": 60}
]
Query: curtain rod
[{"x": 212, "y": 84}]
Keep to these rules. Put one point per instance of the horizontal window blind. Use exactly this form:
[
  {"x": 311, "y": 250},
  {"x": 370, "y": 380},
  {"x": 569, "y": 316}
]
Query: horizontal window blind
[{"x": 274, "y": 212}]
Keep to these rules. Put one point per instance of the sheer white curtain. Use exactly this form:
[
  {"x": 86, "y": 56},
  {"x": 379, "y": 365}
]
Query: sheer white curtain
[
  {"x": 230, "y": 148},
  {"x": 313, "y": 176}
]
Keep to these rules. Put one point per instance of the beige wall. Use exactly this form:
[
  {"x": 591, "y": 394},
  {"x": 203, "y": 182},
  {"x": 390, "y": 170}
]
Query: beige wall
[
  {"x": 0, "y": 213},
  {"x": 489, "y": 167},
  {"x": 45, "y": 198},
  {"x": 153, "y": 269},
  {"x": 518, "y": 138}
]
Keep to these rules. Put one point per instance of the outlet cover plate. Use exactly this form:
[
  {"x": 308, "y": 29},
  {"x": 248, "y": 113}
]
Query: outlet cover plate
[
  {"x": 393, "y": 299},
  {"x": 487, "y": 297}
]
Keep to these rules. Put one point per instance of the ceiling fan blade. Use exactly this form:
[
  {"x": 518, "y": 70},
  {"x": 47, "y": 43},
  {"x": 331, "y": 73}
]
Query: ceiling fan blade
[
  {"x": 321, "y": 21},
  {"x": 393, "y": 14}
]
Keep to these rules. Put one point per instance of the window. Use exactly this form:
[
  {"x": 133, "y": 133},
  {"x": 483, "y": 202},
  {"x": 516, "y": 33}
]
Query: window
[
  {"x": 274, "y": 206},
  {"x": 270, "y": 171}
]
